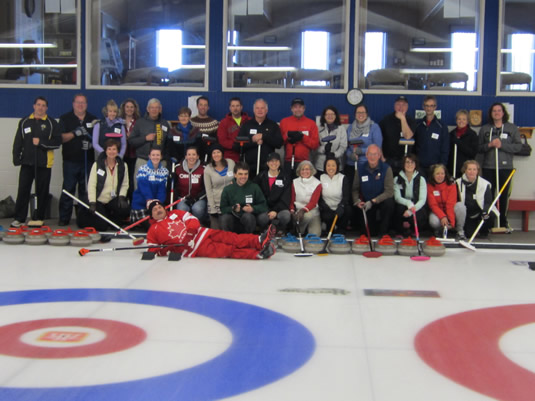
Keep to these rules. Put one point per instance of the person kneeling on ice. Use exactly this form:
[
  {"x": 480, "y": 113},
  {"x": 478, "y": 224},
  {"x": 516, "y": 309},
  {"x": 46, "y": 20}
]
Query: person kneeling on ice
[{"x": 183, "y": 233}]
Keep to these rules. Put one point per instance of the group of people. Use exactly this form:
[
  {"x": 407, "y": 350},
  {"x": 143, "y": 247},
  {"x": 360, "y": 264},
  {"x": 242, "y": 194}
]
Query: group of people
[{"x": 245, "y": 173}]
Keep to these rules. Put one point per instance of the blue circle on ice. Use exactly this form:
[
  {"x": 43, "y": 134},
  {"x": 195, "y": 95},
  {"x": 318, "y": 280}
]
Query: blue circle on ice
[{"x": 266, "y": 346}]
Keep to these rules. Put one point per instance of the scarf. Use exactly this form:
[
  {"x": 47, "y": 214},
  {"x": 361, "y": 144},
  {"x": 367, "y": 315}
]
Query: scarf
[
  {"x": 184, "y": 131},
  {"x": 357, "y": 130},
  {"x": 461, "y": 131}
]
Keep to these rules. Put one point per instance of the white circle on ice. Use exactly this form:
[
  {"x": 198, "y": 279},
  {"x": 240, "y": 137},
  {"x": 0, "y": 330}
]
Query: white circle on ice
[{"x": 63, "y": 336}]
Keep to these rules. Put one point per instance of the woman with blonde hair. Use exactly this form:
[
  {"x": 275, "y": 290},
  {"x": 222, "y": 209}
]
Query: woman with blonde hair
[{"x": 110, "y": 127}]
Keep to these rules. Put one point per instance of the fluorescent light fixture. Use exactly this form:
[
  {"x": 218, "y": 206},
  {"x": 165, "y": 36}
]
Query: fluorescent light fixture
[
  {"x": 38, "y": 65},
  {"x": 429, "y": 71},
  {"x": 27, "y": 45},
  {"x": 261, "y": 48},
  {"x": 435, "y": 49},
  {"x": 517, "y": 51},
  {"x": 191, "y": 67},
  {"x": 261, "y": 69},
  {"x": 193, "y": 46}
]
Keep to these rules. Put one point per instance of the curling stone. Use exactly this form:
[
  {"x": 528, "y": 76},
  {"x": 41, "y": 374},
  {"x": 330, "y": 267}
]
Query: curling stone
[
  {"x": 433, "y": 247},
  {"x": 386, "y": 245},
  {"x": 408, "y": 247},
  {"x": 361, "y": 245},
  {"x": 36, "y": 237},
  {"x": 94, "y": 234},
  {"x": 313, "y": 245},
  {"x": 59, "y": 237},
  {"x": 339, "y": 245},
  {"x": 47, "y": 231},
  {"x": 311, "y": 237},
  {"x": 24, "y": 229},
  {"x": 290, "y": 244},
  {"x": 81, "y": 238},
  {"x": 14, "y": 236}
]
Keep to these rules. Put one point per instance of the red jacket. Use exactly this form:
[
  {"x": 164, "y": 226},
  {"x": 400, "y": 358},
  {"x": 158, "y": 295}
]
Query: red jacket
[
  {"x": 172, "y": 231},
  {"x": 441, "y": 199},
  {"x": 310, "y": 139},
  {"x": 227, "y": 131},
  {"x": 190, "y": 183}
]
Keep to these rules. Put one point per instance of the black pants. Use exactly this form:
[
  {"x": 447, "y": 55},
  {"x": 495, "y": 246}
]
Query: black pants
[
  {"x": 399, "y": 219},
  {"x": 327, "y": 217},
  {"x": 42, "y": 184},
  {"x": 110, "y": 210},
  {"x": 379, "y": 217},
  {"x": 503, "y": 203}
]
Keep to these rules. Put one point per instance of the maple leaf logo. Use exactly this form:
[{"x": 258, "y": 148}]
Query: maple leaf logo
[{"x": 176, "y": 229}]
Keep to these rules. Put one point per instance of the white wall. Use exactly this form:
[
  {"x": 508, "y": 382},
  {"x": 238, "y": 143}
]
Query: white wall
[{"x": 523, "y": 184}]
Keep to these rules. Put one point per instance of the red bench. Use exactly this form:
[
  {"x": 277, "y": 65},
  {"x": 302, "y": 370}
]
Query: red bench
[{"x": 525, "y": 206}]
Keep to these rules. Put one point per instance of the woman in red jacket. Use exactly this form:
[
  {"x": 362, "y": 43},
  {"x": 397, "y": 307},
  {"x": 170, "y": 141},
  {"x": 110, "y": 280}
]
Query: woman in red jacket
[{"x": 445, "y": 211}]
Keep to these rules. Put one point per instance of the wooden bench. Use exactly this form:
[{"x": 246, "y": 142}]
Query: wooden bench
[{"x": 525, "y": 206}]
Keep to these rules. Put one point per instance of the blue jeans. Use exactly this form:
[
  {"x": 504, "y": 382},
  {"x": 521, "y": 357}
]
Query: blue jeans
[
  {"x": 198, "y": 209},
  {"x": 74, "y": 174}
]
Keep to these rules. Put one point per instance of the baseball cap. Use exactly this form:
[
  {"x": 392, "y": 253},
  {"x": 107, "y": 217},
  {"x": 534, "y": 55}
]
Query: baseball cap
[
  {"x": 402, "y": 99},
  {"x": 298, "y": 100},
  {"x": 274, "y": 156}
]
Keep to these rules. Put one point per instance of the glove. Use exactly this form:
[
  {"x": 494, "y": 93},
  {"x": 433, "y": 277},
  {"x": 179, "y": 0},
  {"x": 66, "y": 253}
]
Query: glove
[
  {"x": 189, "y": 200},
  {"x": 340, "y": 210},
  {"x": 300, "y": 214},
  {"x": 353, "y": 156},
  {"x": 122, "y": 202},
  {"x": 294, "y": 136},
  {"x": 367, "y": 206},
  {"x": 485, "y": 215},
  {"x": 93, "y": 207},
  {"x": 328, "y": 148},
  {"x": 78, "y": 132}
]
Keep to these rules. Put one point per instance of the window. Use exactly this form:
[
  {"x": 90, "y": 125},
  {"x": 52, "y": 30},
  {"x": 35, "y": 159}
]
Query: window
[
  {"x": 39, "y": 46},
  {"x": 282, "y": 45},
  {"x": 147, "y": 44},
  {"x": 414, "y": 45},
  {"x": 517, "y": 48}
]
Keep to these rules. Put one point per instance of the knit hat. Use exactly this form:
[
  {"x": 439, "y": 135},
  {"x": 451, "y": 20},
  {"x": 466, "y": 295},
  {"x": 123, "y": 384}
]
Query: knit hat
[
  {"x": 152, "y": 204},
  {"x": 216, "y": 146}
]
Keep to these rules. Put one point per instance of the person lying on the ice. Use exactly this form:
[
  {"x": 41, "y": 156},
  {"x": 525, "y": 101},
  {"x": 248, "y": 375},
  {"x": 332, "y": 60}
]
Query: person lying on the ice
[{"x": 183, "y": 232}]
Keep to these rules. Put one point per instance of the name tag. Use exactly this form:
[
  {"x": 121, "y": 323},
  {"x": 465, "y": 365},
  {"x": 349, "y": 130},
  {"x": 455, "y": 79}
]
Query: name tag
[
  {"x": 173, "y": 217},
  {"x": 400, "y": 134},
  {"x": 434, "y": 136},
  {"x": 325, "y": 185},
  {"x": 89, "y": 125},
  {"x": 253, "y": 132},
  {"x": 117, "y": 130},
  {"x": 436, "y": 193},
  {"x": 305, "y": 133},
  {"x": 474, "y": 196},
  {"x": 248, "y": 199},
  {"x": 279, "y": 183},
  {"x": 366, "y": 135},
  {"x": 194, "y": 180},
  {"x": 365, "y": 178},
  {"x": 503, "y": 136},
  {"x": 230, "y": 174},
  {"x": 164, "y": 128},
  {"x": 101, "y": 172},
  {"x": 27, "y": 130},
  {"x": 176, "y": 138}
]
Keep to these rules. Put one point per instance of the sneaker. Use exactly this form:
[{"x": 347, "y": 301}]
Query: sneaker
[
  {"x": 267, "y": 235},
  {"x": 460, "y": 236},
  {"x": 36, "y": 223},
  {"x": 509, "y": 230},
  {"x": 16, "y": 224},
  {"x": 267, "y": 251}
]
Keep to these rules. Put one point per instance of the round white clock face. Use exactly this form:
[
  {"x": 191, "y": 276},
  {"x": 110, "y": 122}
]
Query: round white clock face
[{"x": 355, "y": 96}]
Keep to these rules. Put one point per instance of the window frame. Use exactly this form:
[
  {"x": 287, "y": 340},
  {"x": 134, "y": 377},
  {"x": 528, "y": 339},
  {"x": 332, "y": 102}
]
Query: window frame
[
  {"x": 78, "y": 69},
  {"x": 359, "y": 82},
  {"x": 499, "y": 91},
  {"x": 89, "y": 62},
  {"x": 344, "y": 86}
]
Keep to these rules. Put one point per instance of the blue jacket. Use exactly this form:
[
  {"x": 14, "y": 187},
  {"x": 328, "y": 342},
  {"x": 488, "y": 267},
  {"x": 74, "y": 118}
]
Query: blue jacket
[
  {"x": 432, "y": 142},
  {"x": 151, "y": 184}
]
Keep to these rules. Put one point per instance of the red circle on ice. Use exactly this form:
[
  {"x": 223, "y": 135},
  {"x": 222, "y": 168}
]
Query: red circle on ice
[{"x": 119, "y": 336}]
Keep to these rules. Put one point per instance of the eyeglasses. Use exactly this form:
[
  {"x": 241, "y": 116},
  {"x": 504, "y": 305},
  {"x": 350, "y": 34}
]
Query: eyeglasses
[{"x": 431, "y": 106}]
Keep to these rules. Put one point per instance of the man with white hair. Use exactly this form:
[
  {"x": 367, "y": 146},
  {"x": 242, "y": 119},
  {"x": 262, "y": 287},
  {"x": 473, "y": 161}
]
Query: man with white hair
[
  {"x": 264, "y": 137},
  {"x": 373, "y": 191},
  {"x": 150, "y": 130}
]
